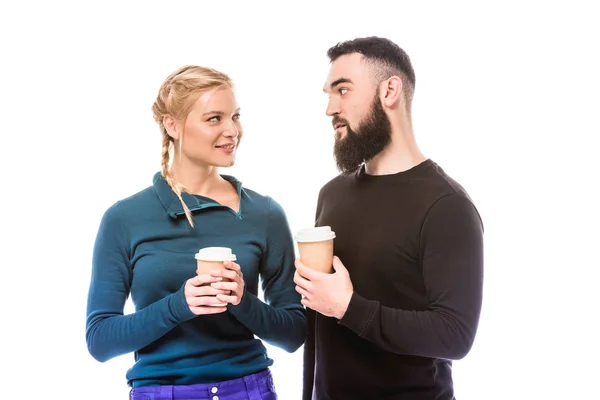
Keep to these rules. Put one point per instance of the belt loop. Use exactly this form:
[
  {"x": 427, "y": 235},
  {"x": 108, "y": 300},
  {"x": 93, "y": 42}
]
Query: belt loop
[{"x": 252, "y": 387}]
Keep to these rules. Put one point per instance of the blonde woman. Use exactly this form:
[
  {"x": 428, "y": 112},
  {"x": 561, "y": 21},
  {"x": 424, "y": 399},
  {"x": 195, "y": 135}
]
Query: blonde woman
[{"x": 195, "y": 337}]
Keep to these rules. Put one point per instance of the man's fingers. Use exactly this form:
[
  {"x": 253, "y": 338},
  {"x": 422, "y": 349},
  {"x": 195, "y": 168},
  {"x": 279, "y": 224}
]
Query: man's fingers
[
  {"x": 305, "y": 302},
  {"x": 302, "y": 282},
  {"x": 301, "y": 291},
  {"x": 337, "y": 265},
  {"x": 306, "y": 272}
]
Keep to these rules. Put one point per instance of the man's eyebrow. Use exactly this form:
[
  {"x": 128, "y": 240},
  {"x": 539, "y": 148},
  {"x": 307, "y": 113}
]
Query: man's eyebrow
[{"x": 338, "y": 82}]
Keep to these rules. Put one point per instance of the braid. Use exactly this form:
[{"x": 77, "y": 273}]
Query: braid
[{"x": 177, "y": 187}]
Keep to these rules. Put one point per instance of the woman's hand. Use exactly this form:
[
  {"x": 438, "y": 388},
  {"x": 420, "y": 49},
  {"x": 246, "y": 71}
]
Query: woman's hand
[
  {"x": 235, "y": 283},
  {"x": 201, "y": 297}
]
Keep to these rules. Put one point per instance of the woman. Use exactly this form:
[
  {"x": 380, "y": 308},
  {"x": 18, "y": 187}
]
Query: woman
[{"x": 194, "y": 335}]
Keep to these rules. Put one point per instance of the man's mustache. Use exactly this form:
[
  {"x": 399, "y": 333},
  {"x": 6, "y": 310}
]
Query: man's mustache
[{"x": 337, "y": 120}]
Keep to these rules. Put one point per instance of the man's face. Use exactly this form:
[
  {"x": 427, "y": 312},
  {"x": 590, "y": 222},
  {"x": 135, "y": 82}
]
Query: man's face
[{"x": 362, "y": 128}]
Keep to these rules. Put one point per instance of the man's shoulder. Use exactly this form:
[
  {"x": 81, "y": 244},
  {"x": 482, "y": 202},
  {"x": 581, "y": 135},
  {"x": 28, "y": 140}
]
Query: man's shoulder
[
  {"x": 441, "y": 184},
  {"x": 336, "y": 183},
  {"x": 447, "y": 196}
]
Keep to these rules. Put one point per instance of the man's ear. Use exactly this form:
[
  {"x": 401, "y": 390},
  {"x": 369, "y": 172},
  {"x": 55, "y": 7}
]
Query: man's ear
[{"x": 391, "y": 92}]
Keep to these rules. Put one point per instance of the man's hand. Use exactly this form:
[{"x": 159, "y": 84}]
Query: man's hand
[{"x": 328, "y": 294}]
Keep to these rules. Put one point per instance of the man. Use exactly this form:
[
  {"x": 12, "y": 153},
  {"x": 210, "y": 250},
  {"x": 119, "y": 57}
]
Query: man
[{"x": 405, "y": 296}]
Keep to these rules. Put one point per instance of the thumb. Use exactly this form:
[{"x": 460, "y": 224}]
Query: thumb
[
  {"x": 338, "y": 266},
  {"x": 192, "y": 281},
  {"x": 197, "y": 280}
]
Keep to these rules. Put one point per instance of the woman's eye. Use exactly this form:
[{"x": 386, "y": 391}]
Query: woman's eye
[
  {"x": 216, "y": 118},
  {"x": 236, "y": 116}
]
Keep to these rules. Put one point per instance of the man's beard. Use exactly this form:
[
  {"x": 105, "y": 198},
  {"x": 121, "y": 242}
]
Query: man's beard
[{"x": 370, "y": 138}]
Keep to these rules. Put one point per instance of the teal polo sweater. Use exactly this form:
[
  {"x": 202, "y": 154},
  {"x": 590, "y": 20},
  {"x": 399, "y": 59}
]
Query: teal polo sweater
[{"x": 145, "y": 249}]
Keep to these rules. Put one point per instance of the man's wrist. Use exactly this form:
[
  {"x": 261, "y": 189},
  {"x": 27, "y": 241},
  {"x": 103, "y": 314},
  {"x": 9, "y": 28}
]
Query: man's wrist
[{"x": 344, "y": 306}]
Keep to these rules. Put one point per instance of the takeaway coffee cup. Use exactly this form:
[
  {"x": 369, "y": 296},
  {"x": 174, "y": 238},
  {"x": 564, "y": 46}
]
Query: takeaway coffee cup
[
  {"x": 211, "y": 258},
  {"x": 315, "y": 246}
]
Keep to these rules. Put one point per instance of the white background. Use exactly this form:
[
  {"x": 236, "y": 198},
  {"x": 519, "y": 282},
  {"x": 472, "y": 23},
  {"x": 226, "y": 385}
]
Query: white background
[{"x": 506, "y": 102}]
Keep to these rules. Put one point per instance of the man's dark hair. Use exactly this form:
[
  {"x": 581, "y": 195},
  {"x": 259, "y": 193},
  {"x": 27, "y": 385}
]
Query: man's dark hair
[{"x": 385, "y": 57}]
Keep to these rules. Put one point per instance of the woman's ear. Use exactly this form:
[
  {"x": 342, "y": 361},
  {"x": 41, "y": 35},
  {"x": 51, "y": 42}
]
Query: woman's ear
[{"x": 171, "y": 126}]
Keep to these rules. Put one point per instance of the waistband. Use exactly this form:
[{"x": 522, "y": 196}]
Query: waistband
[{"x": 256, "y": 386}]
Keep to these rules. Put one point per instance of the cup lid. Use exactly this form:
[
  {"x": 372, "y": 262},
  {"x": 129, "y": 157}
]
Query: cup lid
[
  {"x": 215, "y": 254},
  {"x": 316, "y": 234}
]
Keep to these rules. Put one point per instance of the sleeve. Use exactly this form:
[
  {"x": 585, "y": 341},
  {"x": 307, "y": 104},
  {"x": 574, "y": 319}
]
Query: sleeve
[
  {"x": 281, "y": 319},
  {"x": 109, "y": 333},
  {"x": 451, "y": 243}
]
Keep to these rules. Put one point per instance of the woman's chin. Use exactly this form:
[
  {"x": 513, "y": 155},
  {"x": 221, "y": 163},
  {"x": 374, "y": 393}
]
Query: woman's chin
[{"x": 231, "y": 163}]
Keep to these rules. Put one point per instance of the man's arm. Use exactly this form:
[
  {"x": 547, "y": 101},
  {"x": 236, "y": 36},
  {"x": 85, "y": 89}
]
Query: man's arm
[{"x": 451, "y": 244}]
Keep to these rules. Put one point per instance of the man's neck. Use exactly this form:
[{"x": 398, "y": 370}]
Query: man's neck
[{"x": 400, "y": 155}]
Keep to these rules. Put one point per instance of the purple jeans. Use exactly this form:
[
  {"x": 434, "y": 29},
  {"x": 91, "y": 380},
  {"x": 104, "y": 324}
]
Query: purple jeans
[{"x": 257, "y": 386}]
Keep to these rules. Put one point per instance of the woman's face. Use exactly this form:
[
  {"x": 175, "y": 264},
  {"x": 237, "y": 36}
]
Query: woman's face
[{"x": 212, "y": 131}]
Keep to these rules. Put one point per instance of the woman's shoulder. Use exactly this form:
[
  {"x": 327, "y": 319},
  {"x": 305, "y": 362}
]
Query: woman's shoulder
[
  {"x": 131, "y": 204},
  {"x": 256, "y": 198}
]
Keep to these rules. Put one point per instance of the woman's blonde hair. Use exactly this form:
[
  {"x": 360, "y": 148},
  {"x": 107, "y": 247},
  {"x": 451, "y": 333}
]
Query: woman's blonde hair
[{"x": 176, "y": 97}]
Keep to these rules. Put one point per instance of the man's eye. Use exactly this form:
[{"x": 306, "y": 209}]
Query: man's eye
[{"x": 342, "y": 91}]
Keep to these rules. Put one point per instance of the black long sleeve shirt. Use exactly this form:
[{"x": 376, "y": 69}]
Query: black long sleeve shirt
[{"x": 413, "y": 245}]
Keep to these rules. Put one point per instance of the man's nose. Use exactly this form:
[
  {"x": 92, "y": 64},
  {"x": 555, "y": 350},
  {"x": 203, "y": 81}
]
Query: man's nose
[{"x": 332, "y": 107}]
